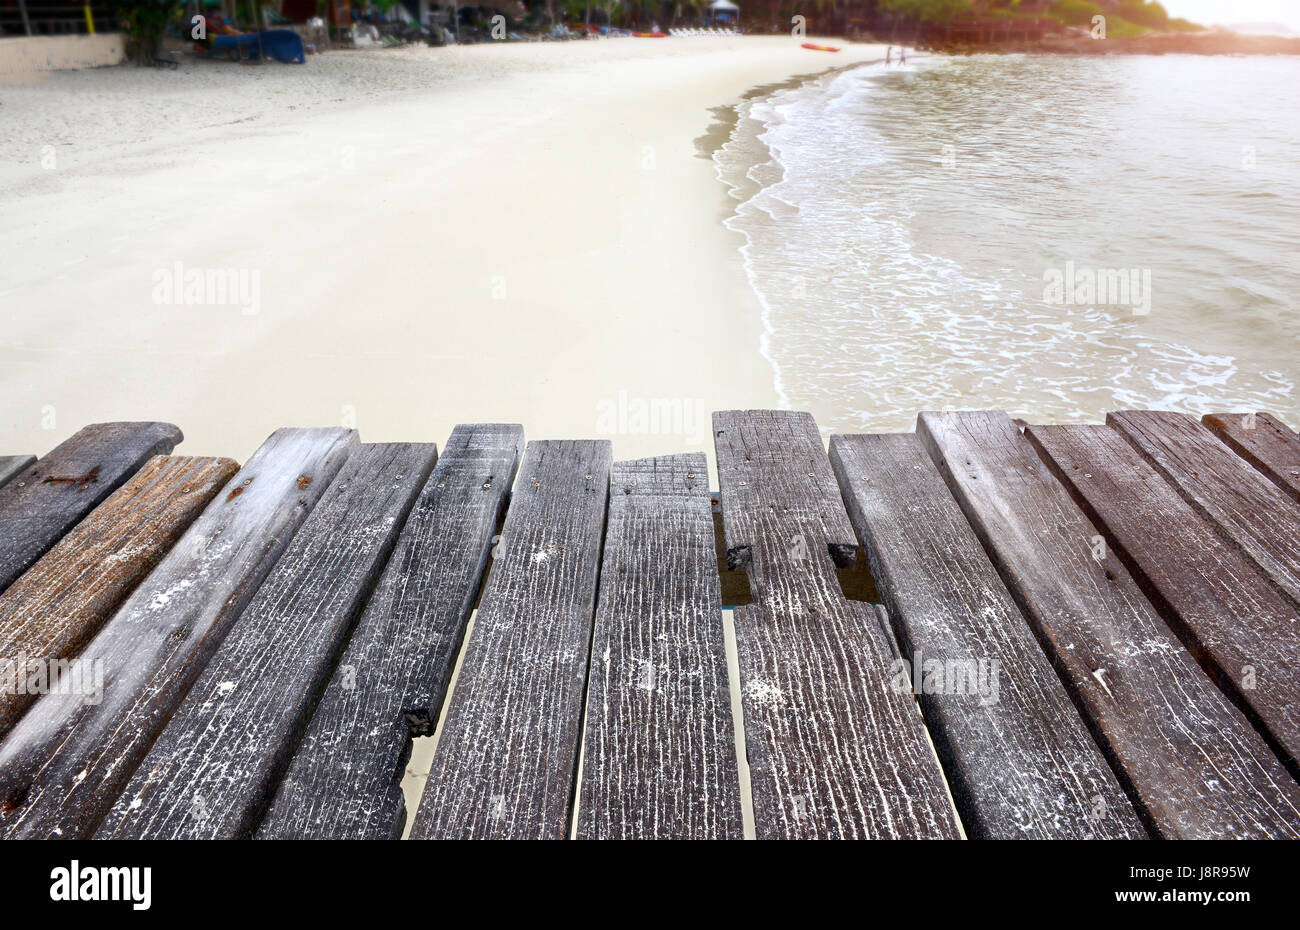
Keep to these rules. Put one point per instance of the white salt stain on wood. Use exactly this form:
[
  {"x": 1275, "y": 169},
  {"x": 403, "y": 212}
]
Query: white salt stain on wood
[
  {"x": 512, "y": 728},
  {"x": 832, "y": 751},
  {"x": 1195, "y": 765},
  {"x": 659, "y": 755},
  {"x": 230, "y": 738},
  {"x": 151, "y": 657}
]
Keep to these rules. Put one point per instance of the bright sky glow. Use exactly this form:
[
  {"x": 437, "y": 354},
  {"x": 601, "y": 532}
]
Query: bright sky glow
[{"x": 1226, "y": 12}]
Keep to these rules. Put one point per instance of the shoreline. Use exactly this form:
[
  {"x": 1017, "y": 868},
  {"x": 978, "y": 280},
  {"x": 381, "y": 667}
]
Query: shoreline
[
  {"x": 945, "y": 324},
  {"x": 534, "y": 238},
  {"x": 742, "y": 187}
]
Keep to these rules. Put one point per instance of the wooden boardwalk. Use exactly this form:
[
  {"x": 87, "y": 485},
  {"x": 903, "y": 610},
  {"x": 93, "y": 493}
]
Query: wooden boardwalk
[{"x": 1082, "y": 632}]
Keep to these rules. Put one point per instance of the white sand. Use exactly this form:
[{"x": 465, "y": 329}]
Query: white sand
[{"x": 522, "y": 233}]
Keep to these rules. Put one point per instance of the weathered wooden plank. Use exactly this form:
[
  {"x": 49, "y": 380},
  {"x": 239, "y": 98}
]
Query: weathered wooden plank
[
  {"x": 40, "y": 505},
  {"x": 1241, "y": 630},
  {"x": 1251, "y": 511},
  {"x": 506, "y": 755},
  {"x": 59, "y": 603},
  {"x": 13, "y": 465},
  {"x": 1020, "y": 761},
  {"x": 1190, "y": 760},
  {"x": 834, "y": 751},
  {"x": 1264, "y": 441},
  {"x": 65, "y": 762},
  {"x": 785, "y": 449},
  {"x": 213, "y": 770},
  {"x": 344, "y": 779},
  {"x": 659, "y": 758}
]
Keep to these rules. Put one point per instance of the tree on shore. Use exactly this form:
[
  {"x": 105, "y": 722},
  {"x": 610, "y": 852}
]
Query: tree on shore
[
  {"x": 926, "y": 11},
  {"x": 145, "y": 21},
  {"x": 1075, "y": 12}
]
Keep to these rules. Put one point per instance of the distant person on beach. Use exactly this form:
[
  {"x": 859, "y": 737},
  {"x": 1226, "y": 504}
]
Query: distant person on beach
[
  {"x": 889, "y": 55},
  {"x": 902, "y": 56}
]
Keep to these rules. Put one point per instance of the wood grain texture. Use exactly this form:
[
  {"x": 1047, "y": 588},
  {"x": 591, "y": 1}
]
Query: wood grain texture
[
  {"x": 834, "y": 750},
  {"x": 1021, "y": 762},
  {"x": 659, "y": 758},
  {"x": 344, "y": 780},
  {"x": 788, "y": 450},
  {"x": 212, "y": 772},
  {"x": 63, "y": 765},
  {"x": 1241, "y": 630},
  {"x": 504, "y": 766},
  {"x": 1191, "y": 762},
  {"x": 13, "y": 465},
  {"x": 1264, "y": 441},
  {"x": 1249, "y": 510},
  {"x": 39, "y": 505},
  {"x": 59, "y": 603}
]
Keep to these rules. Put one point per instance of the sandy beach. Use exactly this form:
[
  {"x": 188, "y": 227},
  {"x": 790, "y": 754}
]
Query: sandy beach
[{"x": 412, "y": 238}]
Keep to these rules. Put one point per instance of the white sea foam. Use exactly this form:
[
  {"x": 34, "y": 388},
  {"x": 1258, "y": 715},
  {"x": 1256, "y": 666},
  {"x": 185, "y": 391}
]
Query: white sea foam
[{"x": 898, "y": 224}]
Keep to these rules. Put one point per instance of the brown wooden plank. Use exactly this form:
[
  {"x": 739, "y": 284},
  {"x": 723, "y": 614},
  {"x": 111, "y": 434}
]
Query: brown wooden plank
[
  {"x": 1264, "y": 441},
  {"x": 834, "y": 751},
  {"x": 213, "y": 771},
  {"x": 1191, "y": 761},
  {"x": 1249, "y": 510},
  {"x": 13, "y": 465},
  {"x": 59, "y": 603},
  {"x": 344, "y": 781},
  {"x": 39, "y": 505},
  {"x": 659, "y": 758},
  {"x": 1239, "y": 628},
  {"x": 504, "y": 766},
  {"x": 1020, "y": 760},
  {"x": 65, "y": 762}
]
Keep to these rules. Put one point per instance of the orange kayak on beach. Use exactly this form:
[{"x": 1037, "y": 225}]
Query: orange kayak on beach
[
  {"x": 649, "y": 35},
  {"x": 820, "y": 48}
]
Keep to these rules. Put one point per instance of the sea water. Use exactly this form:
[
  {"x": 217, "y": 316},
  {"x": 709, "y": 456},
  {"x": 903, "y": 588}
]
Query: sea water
[{"x": 1054, "y": 236}]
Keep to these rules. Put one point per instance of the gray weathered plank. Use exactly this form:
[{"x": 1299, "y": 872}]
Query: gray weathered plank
[
  {"x": 508, "y": 748},
  {"x": 834, "y": 750},
  {"x": 1250, "y": 510},
  {"x": 39, "y": 505},
  {"x": 1241, "y": 630},
  {"x": 1020, "y": 761},
  {"x": 13, "y": 465},
  {"x": 785, "y": 449},
  {"x": 212, "y": 772},
  {"x": 659, "y": 757},
  {"x": 1191, "y": 761},
  {"x": 1263, "y": 440},
  {"x": 59, "y": 603},
  {"x": 344, "y": 779},
  {"x": 64, "y": 763}
]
